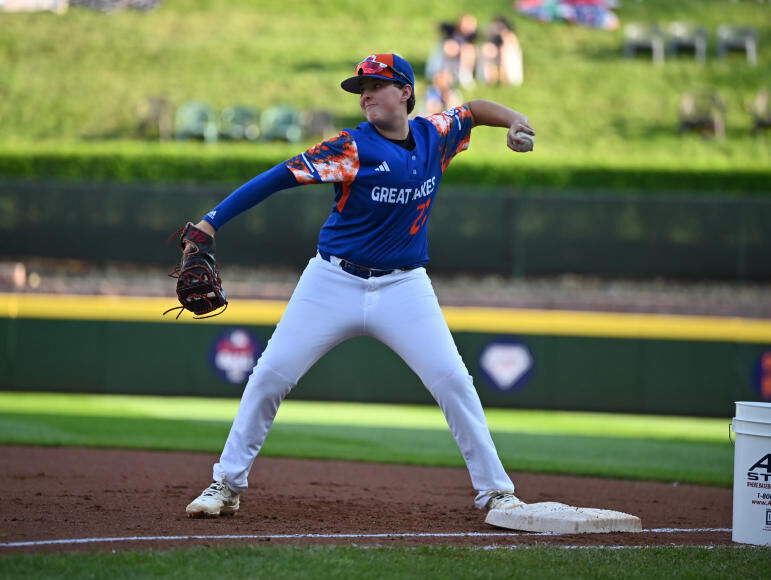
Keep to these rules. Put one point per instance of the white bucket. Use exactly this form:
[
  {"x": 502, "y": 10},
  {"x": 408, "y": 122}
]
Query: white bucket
[{"x": 752, "y": 474}]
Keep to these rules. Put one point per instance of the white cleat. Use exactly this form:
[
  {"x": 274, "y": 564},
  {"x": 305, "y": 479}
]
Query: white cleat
[
  {"x": 504, "y": 501},
  {"x": 216, "y": 500}
]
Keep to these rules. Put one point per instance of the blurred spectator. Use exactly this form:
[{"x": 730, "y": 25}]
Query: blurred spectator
[
  {"x": 437, "y": 59},
  {"x": 500, "y": 58},
  {"x": 465, "y": 36},
  {"x": 111, "y": 5},
  {"x": 589, "y": 13},
  {"x": 58, "y": 6},
  {"x": 594, "y": 14},
  {"x": 703, "y": 111},
  {"x": 440, "y": 94},
  {"x": 456, "y": 50},
  {"x": 760, "y": 110},
  {"x": 154, "y": 116}
]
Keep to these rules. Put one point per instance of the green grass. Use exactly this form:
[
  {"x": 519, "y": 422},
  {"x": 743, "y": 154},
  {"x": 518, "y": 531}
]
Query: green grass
[
  {"x": 379, "y": 562},
  {"x": 368, "y": 415},
  {"x": 70, "y": 83},
  {"x": 683, "y": 449}
]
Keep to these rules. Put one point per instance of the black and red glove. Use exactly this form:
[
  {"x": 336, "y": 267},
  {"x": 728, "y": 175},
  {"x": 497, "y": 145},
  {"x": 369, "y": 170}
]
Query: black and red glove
[{"x": 199, "y": 287}]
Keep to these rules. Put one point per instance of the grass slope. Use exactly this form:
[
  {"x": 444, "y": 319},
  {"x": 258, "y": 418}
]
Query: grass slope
[{"x": 70, "y": 83}]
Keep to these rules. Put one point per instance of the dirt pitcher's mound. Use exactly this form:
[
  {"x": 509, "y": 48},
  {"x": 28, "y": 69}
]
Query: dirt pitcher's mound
[{"x": 138, "y": 499}]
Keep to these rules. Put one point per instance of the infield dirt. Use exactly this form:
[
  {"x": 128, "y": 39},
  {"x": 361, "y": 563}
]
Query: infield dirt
[{"x": 65, "y": 493}]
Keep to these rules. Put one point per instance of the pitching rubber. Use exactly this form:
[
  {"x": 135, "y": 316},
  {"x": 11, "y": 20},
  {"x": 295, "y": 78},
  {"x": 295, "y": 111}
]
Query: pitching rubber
[{"x": 561, "y": 518}]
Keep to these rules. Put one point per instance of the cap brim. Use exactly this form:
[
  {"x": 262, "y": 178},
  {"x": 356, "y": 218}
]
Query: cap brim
[{"x": 352, "y": 84}]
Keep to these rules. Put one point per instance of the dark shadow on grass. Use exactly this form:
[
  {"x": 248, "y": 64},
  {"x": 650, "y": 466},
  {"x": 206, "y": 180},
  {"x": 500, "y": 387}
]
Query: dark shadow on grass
[
  {"x": 611, "y": 53},
  {"x": 324, "y": 64},
  {"x": 119, "y": 133}
]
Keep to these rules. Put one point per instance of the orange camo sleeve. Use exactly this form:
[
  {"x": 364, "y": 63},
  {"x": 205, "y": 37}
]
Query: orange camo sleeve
[
  {"x": 444, "y": 121},
  {"x": 333, "y": 161},
  {"x": 454, "y": 128}
]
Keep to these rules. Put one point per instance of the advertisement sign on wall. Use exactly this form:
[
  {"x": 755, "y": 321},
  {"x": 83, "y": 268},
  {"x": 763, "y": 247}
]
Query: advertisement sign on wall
[
  {"x": 506, "y": 364},
  {"x": 234, "y": 353}
]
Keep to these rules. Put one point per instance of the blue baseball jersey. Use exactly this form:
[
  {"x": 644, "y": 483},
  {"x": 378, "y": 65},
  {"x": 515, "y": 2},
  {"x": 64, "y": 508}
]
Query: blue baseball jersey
[{"x": 383, "y": 192}]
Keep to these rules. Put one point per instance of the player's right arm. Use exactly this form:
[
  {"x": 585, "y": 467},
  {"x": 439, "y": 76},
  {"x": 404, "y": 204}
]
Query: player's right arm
[{"x": 492, "y": 114}]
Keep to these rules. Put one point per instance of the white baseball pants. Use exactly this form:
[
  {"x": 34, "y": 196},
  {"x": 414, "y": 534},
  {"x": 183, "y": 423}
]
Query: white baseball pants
[{"x": 401, "y": 310}]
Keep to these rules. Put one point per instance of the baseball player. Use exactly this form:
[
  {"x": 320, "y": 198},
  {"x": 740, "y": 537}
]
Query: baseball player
[{"x": 368, "y": 276}]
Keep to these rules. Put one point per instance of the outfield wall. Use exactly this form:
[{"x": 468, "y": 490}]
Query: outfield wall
[
  {"x": 605, "y": 233},
  {"x": 558, "y": 360}
]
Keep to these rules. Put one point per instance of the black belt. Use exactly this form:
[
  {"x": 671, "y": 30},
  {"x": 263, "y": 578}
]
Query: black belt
[{"x": 359, "y": 271}]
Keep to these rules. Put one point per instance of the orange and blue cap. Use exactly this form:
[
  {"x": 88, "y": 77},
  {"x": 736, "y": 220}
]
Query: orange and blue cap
[{"x": 389, "y": 67}]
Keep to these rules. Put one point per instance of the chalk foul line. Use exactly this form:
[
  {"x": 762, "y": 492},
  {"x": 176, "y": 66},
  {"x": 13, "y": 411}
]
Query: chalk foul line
[{"x": 71, "y": 541}]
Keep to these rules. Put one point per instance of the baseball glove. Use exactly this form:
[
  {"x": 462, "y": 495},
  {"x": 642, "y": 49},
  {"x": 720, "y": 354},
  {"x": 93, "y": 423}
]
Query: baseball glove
[{"x": 199, "y": 287}]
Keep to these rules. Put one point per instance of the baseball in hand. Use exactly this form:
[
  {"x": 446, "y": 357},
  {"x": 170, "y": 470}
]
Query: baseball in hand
[{"x": 526, "y": 141}]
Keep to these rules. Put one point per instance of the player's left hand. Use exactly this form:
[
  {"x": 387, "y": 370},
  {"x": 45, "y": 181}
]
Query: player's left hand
[{"x": 199, "y": 286}]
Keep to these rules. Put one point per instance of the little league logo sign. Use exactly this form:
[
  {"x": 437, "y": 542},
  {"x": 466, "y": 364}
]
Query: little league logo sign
[
  {"x": 506, "y": 364},
  {"x": 234, "y": 354}
]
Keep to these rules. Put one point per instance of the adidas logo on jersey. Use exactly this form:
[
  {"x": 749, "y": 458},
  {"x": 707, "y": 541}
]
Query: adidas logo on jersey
[{"x": 383, "y": 167}]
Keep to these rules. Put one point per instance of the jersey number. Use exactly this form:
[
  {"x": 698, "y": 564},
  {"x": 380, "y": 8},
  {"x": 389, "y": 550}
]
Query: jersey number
[{"x": 421, "y": 219}]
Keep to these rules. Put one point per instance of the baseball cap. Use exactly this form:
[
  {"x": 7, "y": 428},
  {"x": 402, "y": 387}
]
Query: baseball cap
[{"x": 390, "y": 67}]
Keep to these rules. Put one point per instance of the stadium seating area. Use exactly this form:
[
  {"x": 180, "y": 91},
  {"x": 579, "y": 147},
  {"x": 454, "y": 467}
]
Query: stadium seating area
[
  {"x": 158, "y": 118},
  {"x": 676, "y": 37},
  {"x": 704, "y": 110}
]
